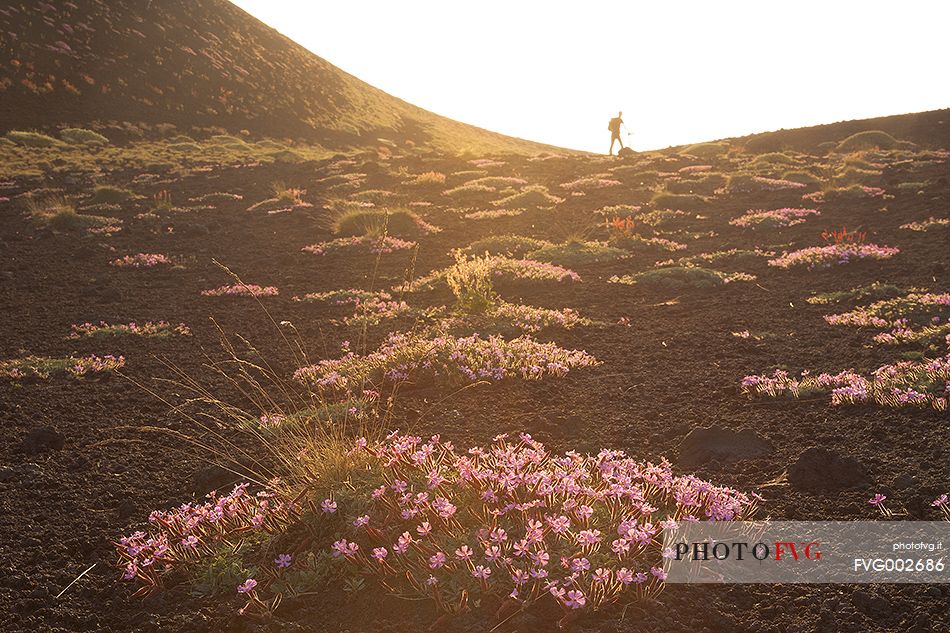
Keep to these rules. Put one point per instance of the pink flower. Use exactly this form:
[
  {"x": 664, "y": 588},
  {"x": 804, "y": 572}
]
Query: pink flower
[
  {"x": 493, "y": 553},
  {"x": 540, "y": 558},
  {"x": 247, "y": 586},
  {"x": 877, "y": 499},
  {"x": 658, "y": 573},
  {"x": 361, "y": 521},
  {"x": 283, "y": 560},
  {"x": 575, "y": 599},
  {"x": 345, "y": 548},
  {"x": 940, "y": 501},
  {"x": 481, "y": 572},
  {"x": 379, "y": 553},
  {"x": 464, "y": 552},
  {"x": 588, "y": 537},
  {"x": 328, "y": 506},
  {"x": 436, "y": 560},
  {"x": 579, "y": 564},
  {"x": 625, "y": 576}
]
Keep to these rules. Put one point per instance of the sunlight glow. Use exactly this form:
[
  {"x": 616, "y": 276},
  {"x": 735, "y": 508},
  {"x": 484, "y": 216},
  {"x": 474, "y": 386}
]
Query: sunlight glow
[{"x": 682, "y": 72}]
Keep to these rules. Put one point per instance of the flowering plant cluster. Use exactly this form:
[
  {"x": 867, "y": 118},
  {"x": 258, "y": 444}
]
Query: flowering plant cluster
[
  {"x": 776, "y": 184},
  {"x": 93, "y": 364},
  {"x": 521, "y": 523},
  {"x": 343, "y": 297},
  {"x": 693, "y": 169},
  {"x": 375, "y": 310},
  {"x": 619, "y": 211},
  {"x": 493, "y": 214},
  {"x": 843, "y": 236},
  {"x": 912, "y": 318},
  {"x": 925, "y": 225},
  {"x": 531, "y": 319},
  {"x": 498, "y": 181},
  {"x": 241, "y": 290},
  {"x": 499, "y": 266},
  {"x": 659, "y": 216},
  {"x": 591, "y": 182},
  {"x": 942, "y": 503},
  {"x": 908, "y": 383},
  {"x": 403, "y": 356},
  {"x": 184, "y": 535},
  {"x": 773, "y": 218},
  {"x": 141, "y": 260},
  {"x": 217, "y": 196},
  {"x": 826, "y": 256},
  {"x": 502, "y": 316},
  {"x": 715, "y": 256},
  {"x": 681, "y": 276},
  {"x": 630, "y": 241},
  {"x": 486, "y": 162},
  {"x": 149, "y": 329},
  {"x": 530, "y": 196},
  {"x": 750, "y": 184},
  {"x": 371, "y": 243},
  {"x": 43, "y": 367},
  {"x": 428, "y": 178}
]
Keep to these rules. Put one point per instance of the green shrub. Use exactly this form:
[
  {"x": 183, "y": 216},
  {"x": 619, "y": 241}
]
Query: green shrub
[
  {"x": 509, "y": 245},
  {"x": 469, "y": 192},
  {"x": 855, "y": 175},
  {"x": 876, "y": 290},
  {"x": 368, "y": 221},
  {"x": 685, "y": 201},
  {"x": 181, "y": 138},
  {"x": 529, "y": 197},
  {"x": 772, "y": 158},
  {"x": 80, "y": 136},
  {"x": 59, "y": 214},
  {"x": 498, "y": 182},
  {"x": 185, "y": 146},
  {"x": 287, "y": 157},
  {"x": 707, "y": 150},
  {"x": 32, "y": 139},
  {"x": 706, "y": 184},
  {"x": 231, "y": 142},
  {"x": 107, "y": 194},
  {"x": 574, "y": 252},
  {"x": 471, "y": 282},
  {"x": 269, "y": 144},
  {"x": 676, "y": 277},
  {"x": 869, "y": 139},
  {"x": 801, "y": 176}
]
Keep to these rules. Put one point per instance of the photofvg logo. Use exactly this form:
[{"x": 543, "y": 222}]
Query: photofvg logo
[
  {"x": 807, "y": 552},
  {"x": 740, "y": 550}
]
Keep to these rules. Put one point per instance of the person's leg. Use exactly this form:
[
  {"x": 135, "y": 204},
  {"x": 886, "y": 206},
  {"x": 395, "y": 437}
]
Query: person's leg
[{"x": 612, "y": 139}]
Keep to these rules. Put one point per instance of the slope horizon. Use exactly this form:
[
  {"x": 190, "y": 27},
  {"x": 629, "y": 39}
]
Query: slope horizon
[{"x": 682, "y": 73}]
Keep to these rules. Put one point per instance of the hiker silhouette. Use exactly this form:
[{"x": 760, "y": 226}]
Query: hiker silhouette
[{"x": 614, "y": 128}]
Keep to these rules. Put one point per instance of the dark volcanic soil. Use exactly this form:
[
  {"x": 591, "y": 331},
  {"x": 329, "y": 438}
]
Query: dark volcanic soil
[{"x": 103, "y": 466}]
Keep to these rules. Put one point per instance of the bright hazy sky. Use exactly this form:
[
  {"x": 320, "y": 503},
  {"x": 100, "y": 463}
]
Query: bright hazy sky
[{"x": 682, "y": 72}]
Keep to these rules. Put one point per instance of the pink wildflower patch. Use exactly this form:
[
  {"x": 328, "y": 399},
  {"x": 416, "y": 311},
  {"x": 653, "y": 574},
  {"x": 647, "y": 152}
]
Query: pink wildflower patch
[
  {"x": 241, "y": 290},
  {"x": 142, "y": 260}
]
